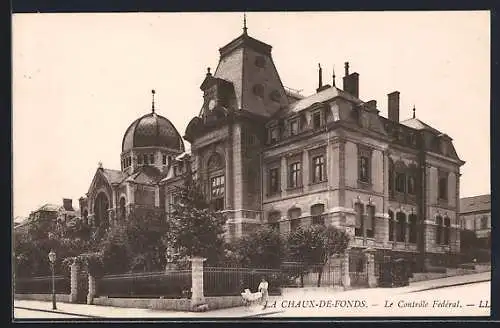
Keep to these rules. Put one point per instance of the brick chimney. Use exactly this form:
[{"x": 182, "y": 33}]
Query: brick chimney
[
  {"x": 351, "y": 81},
  {"x": 393, "y": 106},
  {"x": 68, "y": 204}
]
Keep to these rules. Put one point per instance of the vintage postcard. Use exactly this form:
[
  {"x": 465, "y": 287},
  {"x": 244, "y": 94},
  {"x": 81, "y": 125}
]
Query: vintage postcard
[{"x": 251, "y": 165}]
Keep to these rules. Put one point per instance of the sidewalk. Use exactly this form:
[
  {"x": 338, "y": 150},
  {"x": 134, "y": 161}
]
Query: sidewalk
[
  {"x": 29, "y": 309},
  {"x": 37, "y": 309}
]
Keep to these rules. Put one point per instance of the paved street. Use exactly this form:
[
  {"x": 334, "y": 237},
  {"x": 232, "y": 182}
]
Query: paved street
[{"x": 426, "y": 298}]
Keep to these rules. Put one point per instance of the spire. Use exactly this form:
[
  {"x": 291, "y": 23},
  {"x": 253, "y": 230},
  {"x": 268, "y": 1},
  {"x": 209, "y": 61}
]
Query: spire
[
  {"x": 245, "y": 23},
  {"x": 320, "y": 76},
  {"x": 333, "y": 76},
  {"x": 413, "y": 111},
  {"x": 153, "y": 101}
]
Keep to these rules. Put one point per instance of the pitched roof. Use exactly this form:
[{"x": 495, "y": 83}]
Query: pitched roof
[
  {"x": 146, "y": 175},
  {"x": 322, "y": 96},
  {"x": 475, "y": 204},
  {"x": 114, "y": 176},
  {"x": 49, "y": 208},
  {"x": 417, "y": 124}
]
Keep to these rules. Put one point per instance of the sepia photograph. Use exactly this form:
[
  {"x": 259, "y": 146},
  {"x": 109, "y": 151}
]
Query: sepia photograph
[{"x": 209, "y": 165}]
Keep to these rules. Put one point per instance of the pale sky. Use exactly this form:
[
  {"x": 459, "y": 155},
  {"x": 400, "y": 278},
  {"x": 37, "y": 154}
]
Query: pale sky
[{"x": 79, "y": 80}]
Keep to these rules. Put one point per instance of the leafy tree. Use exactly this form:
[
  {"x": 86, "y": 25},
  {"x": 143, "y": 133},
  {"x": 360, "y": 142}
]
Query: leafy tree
[
  {"x": 314, "y": 245},
  {"x": 195, "y": 229}
]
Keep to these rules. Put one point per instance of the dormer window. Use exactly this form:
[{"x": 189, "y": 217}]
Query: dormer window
[
  {"x": 294, "y": 127},
  {"x": 273, "y": 135},
  {"x": 316, "y": 119}
]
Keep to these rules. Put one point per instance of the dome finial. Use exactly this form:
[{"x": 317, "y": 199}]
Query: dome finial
[
  {"x": 245, "y": 23},
  {"x": 153, "y": 101},
  {"x": 414, "y": 111}
]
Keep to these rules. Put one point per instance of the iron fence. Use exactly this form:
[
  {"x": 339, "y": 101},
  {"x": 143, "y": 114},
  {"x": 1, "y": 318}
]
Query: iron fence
[
  {"x": 230, "y": 281},
  {"x": 42, "y": 285},
  {"x": 167, "y": 284}
]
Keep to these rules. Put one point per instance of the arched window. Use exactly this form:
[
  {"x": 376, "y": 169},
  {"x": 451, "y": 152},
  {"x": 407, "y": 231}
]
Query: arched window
[
  {"x": 122, "y": 209},
  {"x": 439, "y": 230},
  {"x": 273, "y": 220},
  {"x": 294, "y": 215},
  {"x": 391, "y": 225},
  {"x": 446, "y": 232},
  {"x": 101, "y": 206},
  {"x": 317, "y": 214},
  {"x": 401, "y": 227},
  {"x": 413, "y": 228}
]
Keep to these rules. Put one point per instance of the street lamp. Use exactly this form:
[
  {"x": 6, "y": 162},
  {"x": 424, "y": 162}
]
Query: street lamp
[{"x": 52, "y": 259}]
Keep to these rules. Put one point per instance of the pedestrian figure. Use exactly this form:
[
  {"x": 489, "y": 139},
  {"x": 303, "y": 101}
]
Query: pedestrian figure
[{"x": 263, "y": 287}]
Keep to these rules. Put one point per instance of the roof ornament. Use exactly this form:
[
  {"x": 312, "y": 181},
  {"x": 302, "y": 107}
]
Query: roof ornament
[
  {"x": 208, "y": 71},
  {"x": 414, "y": 111},
  {"x": 153, "y": 101},
  {"x": 99, "y": 165},
  {"x": 245, "y": 29},
  {"x": 333, "y": 76},
  {"x": 320, "y": 76}
]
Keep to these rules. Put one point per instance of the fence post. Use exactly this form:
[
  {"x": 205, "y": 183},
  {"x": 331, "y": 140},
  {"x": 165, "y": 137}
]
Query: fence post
[
  {"x": 92, "y": 291},
  {"x": 370, "y": 267},
  {"x": 74, "y": 282},
  {"x": 197, "y": 295},
  {"x": 346, "y": 279}
]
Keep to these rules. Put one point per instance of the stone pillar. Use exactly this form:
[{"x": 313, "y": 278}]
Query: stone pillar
[
  {"x": 346, "y": 279},
  {"x": 370, "y": 267},
  {"x": 74, "y": 282},
  {"x": 306, "y": 171},
  {"x": 197, "y": 296},
  {"x": 92, "y": 290}
]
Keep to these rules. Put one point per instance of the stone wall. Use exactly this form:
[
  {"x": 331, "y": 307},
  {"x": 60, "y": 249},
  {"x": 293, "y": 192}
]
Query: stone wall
[
  {"x": 213, "y": 303},
  {"x": 43, "y": 297}
]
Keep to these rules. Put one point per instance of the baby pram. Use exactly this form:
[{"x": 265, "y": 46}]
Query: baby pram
[{"x": 250, "y": 298}]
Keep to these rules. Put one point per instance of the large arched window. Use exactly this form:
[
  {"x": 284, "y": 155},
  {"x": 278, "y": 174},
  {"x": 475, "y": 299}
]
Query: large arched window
[
  {"x": 101, "y": 206},
  {"x": 294, "y": 215},
  {"x": 122, "y": 209},
  {"x": 317, "y": 211},
  {"x": 401, "y": 227}
]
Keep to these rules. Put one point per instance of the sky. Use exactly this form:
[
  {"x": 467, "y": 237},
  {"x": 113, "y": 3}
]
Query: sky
[{"x": 79, "y": 80}]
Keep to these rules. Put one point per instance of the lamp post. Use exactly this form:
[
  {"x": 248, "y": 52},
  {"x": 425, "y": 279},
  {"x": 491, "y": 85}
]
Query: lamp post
[{"x": 52, "y": 259}]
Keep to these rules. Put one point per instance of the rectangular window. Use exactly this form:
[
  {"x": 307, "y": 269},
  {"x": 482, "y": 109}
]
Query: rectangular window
[
  {"x": 317, "y": 211},
  {"x": 413, "y": 228},
  {"x": 151, "y": 158},
  {"x": 294, "y": 224},
  {"x": 274, "y": 181},
  {"x": 411, "y": 185},
  {"x": 400, "y": 182},
  {"x": 318, "y": 169},
  {"x": 364, "y": 168},
  {"x": 443, "y": 187},
  {"x": 439, "y": 230},
  {"x": 294, "y": 175},
  {"x": 164, "y": 159},
  {"x": 484, "y": 222},
  {"x": 139, "y": 159},
  {"x": 145, "y": 159},
  {"x": 316, "y": 119},
  {"x": 358, "y": 231},
  {"x": 391, "y": 226},
  {"x": 401, "y": 231},
  {"x": 370, "y": 221},
  {"x": 294, "y": 127},
  {"x": 446, "y": 237}
]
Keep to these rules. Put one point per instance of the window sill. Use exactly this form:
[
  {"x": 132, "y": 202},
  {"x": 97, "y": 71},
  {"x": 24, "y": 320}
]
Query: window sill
[
  {"x": 318, "y": 182},
  {"x": 294, "y": 189},
  {"x": 364, "y": 184}
]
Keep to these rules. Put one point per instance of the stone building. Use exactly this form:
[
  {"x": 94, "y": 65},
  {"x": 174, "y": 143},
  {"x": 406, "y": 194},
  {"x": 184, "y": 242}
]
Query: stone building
[
  {"x": 475, "y": 215},
  {"x": 268, "y": 155}
]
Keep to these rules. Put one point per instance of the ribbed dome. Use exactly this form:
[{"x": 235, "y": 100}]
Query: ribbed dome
[{"x": 152, "y": 130}]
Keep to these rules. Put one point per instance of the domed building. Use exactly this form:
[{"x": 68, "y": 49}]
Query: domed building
[{"x": 150, "y": 147}]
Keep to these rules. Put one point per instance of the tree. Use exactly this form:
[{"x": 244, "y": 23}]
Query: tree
[
  {"x": 195, "y": 230},
  {"x": 314, "y": 245},
  {"x": 263, "y": 248}
]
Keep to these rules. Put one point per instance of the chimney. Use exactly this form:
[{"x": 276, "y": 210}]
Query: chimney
[
  {"x": 321, "y": 87},
  {"x": 351, "y": 82},
  {"x": 393, "y": 106},
  {"x": 68, "y": 204},
  {"x": 372, "y": 104}
]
